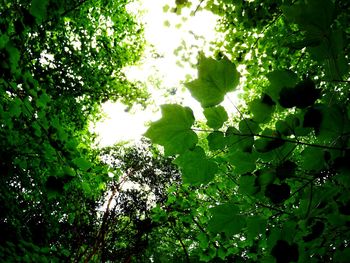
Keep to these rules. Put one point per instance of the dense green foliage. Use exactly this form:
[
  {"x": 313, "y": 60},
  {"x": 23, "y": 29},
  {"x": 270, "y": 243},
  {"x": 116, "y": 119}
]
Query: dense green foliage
[
  {"x": 272, "y": 184},
  {"x": 59, "y": 61},
  {"x": 268, "y": 184}
]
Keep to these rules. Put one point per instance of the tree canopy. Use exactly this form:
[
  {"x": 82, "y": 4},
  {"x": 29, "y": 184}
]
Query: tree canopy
[{"x": 267, "y": 184}]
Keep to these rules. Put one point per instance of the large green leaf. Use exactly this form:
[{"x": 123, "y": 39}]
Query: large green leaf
[
  {"x": 196, "y": 168},
  {"x": 312, "y": 15},
  {"x": 216, "y": 116},
  {"x": 226, "y": 219},
  {"x": 215, "y": 79},
  {"x": 173, "y": 130}
]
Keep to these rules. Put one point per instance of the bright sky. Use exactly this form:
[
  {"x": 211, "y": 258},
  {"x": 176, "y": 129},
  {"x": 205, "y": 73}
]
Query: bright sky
[{"x": 160, "y": 73}]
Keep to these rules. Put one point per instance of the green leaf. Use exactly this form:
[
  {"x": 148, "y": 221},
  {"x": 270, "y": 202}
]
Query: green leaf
[
  {"x": 15, "y": 108},
  {"x": 4, "y": 39},
  {"x": 43, "y": 100},
  {"x": 278, "y": 80},
  {"x": 243, "y": 162},
  {"x": 216, "y": 141},
  {"x": 283, "y": 128},
  {"x": 226, "y": 219},
  {"x": 256, "y": 225},
  {"x": 237, "y": 140},
  {"x": 215, "y": 79},
  {"x": 313, "y": 159},
  {"x": 332, "y": 124},
  {"x": 260, "y": 110},
  {"x": 342, "y": 256},
  {"x": 173, "y": 130},
  {"x": 216, "y": 116},
  {"x": 203, "y": 240},
  {"x": 271, "y": 142},
  {"x": 37, "y": 129},
  {"x": 14, "y": 56},
  {"x": 196, "y": 168},
  {"x": 82, "y": 164},
  {"x": 247, "y": 185},
  {"x": 248, "y": 126},
  {"x": 313, "y": 15},
  {"x": 38, "y": 9}
]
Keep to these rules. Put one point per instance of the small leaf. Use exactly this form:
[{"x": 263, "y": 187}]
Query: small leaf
[
  {"x": 286, "y": 170},
  {"x": 248, "y": 126},
  {"x": 283, "y": 252},
  {"x": 312, "y": 15},
  {"x": 268, "y": 143},
  {"x": 166, "y": 8},
  {"x": 256, "y": 226},
  {"x": 247, "y": 185},
  {"x": 277, "y": 193},
  {"x": 261, "y": 110},
  {"x": 313, "y": 159},
  {"x": 280, "y": 79},
  {"x": 243, "y": 162},
  {"x": 215, "y": 79},
  {"x": 82, "y": 164},
  {"x": 216, "y": 141},
  {"x": 283, "y": 128},
  {"x": 15, "y": 108},
  {"x": 226, "y": 219},
  {"x": 304, "y": 94},
  {"x": 216, "y": 116},
  {"x": 237, "y": 140},
  {"x": 43, "y": 100},
  {"x": 196, "y": 168},
  {"x": 173, "y": 130}
]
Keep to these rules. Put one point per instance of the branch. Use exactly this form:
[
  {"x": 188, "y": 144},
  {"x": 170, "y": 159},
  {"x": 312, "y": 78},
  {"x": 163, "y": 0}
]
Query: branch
[
  {"x": 182, "y": 245},
  {"x": 283, "y": 139},
  {"x": 267, "y": 27},
  {"x": 274, "y": 208},
  {"x": 310, "y": 202},
  {"x": 198, "y": 6}
]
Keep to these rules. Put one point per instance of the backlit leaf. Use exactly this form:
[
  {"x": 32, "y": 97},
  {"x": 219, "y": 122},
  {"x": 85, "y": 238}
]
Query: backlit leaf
[
  {"x": 82, "y": 163},
  {"x": 216, "y": 140},
  {"x": 216, "y": 116},
  {"x": 173, "y": 130},
  {"x": 196, "y": 168},
  {"x": 215, "y": 79},
  {"x": 226, "y": 219},
  {"x": 243, "y": 162},
  {"x": 278, "y": 80}
]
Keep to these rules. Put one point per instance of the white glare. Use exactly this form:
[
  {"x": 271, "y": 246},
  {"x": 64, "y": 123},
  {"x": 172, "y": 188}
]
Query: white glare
[{"x": 158, "y": 68}]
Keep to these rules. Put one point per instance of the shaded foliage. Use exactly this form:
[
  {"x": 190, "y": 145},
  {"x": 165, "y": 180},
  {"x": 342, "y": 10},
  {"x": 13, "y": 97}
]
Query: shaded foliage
[{"x": 279, "y": 192}]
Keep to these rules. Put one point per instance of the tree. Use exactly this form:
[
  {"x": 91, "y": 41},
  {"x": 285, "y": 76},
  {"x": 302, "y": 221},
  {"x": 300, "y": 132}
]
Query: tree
[
  {"x": 273, "y": 184},
  {"x": 59, "y": 62},
  {"x": 140, "y": 182}
]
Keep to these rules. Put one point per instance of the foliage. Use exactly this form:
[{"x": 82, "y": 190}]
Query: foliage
[
  {"x": 59, "y": 61},
  {"x": 268, "y": 185},
  {"x": 279, "y": 190}
]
